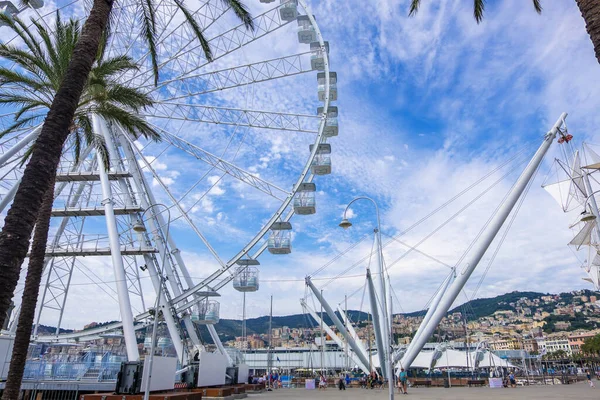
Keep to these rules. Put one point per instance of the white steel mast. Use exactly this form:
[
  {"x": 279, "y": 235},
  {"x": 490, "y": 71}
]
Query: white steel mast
[{"x": 482, "y": 245}]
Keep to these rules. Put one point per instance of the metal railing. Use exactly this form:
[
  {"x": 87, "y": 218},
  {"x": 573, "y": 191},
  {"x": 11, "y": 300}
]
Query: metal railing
[{"x": 71, "y": 371}]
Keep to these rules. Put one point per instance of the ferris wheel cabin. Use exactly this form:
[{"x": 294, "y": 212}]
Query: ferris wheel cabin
[
  {"x": 280, "y": 240},
  {"x": 246, "y": 279},
  {"x": 317, "y": 57},
  {"x": 304, "y": 200},
  {"x": 332, "y": 86},
  {"x": 9, "y": 8},
  {"x": 331, "y": 121},
  {"x": 288, "y": 10},
  {"x": 206, "y": 313},
  {"x": 321, "y": 164},
  {"x": 306, "y": 30}
]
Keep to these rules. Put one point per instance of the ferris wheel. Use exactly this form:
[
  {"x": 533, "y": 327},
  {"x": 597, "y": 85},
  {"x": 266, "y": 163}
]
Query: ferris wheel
[{"x": 243, "y": 138}]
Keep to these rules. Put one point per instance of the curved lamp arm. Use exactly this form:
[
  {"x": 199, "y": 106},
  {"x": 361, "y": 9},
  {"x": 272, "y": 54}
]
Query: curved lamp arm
[{"x": 346, "y": 224}]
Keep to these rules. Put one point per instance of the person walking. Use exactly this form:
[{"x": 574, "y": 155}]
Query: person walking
[
  {"x": 403, "y": 380},
  {"x": 588, "y": 375},
  {"x": 322, "y": 382},
  {"x": 342, "y": 383}
]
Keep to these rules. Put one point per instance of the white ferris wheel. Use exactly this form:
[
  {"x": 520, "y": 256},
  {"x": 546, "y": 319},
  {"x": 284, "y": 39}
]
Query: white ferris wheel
[{"x": 247, "y": 133}]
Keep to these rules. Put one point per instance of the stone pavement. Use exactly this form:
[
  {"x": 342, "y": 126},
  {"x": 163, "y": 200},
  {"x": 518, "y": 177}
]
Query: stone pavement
[{"x": 578, "y": 391}]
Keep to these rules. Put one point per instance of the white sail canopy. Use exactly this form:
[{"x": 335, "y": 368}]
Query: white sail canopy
[
  {"x": 560, "y": 192},
  {"x": 584, "y": 237}
]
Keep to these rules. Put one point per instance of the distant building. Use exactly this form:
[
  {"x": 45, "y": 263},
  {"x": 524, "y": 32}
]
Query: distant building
[
  {"x": 558, "y": 341},
  {"x": 578, "y": 339}
]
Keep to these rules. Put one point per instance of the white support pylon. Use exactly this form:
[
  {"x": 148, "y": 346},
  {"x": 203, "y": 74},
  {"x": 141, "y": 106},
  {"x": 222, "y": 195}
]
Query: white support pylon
[
  {"x": 381, "y": 347},
  {"x": 483, "y": 243},
  {"x": 339, "y": 325},
  {"x": 352, "y": 331},
  {"x": 115, "y": 251},
  {"x": 332, "y": 334},
  {"x": 432, "y": 307}
]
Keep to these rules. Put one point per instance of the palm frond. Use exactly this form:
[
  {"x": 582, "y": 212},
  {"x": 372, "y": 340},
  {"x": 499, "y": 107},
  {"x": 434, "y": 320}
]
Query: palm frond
[
  {"x": 128, "y": 97},
  {"x": 149, "y": 34},
  {"x": 84, "y": 123},
  {"x": 478, "y": 9},
  {"x": 26, "y": 60},
  {"x": 130, "y": 122},
  {"x": 197, "y": 30},
  {"x": 414, "y": 7},
  {"x": 26, "y": 155},
  {"x": 18, "y": 125},
  {"x": 241, "y": 12},
  {"x": 77, "y": 146},
  {"x": 115, "y": 65},
  {"x": 31, "y": 106},
  {"x": 538, "y": 6},
  {"x": 13, "y": 77}
]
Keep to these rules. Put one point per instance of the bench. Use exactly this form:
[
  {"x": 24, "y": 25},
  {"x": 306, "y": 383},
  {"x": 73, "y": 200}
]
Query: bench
[
  {"x": 421, "y": 382},
  {"x": 476, "y": 382}
]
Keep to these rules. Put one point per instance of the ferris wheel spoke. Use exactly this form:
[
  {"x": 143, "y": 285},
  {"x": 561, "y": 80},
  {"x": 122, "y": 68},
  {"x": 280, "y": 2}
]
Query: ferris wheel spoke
[
  {"x": 195, "y": 85},
  {"x": 235, "y": 116},
  {"x": 225, "y": 166},
  {"x": 187, "y": 60}
]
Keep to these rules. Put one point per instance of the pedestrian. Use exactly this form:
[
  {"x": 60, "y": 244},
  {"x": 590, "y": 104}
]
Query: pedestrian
[
  {"x": 342, "y": 383},
  {"x": 322, "y": 382},
  {"x": 511, "y": 378},
  {"x": 588, "y": 375},
  {"x": 347, "y": 380},
  {"x": 403, "y": 378}
]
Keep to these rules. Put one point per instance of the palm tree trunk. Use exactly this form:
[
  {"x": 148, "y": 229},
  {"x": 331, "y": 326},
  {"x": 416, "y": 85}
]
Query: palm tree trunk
[
  {"x": 30, "y": 296},
  {"x": 590, "y": 11},
  {"x": 41, "y": 169}
]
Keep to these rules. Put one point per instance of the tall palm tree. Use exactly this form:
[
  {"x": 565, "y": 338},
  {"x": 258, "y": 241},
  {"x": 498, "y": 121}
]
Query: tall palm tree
[
  {"x": 32, "y": 90},
  {"x": 590, "y": 11},
  {"x": 41, "y": 168}
]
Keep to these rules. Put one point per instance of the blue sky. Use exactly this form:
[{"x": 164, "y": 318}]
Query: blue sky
[{"x": 428, "y": 105}]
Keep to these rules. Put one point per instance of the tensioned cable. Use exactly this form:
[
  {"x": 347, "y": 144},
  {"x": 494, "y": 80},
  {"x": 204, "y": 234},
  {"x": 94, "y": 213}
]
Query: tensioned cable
[
  {"x": 342, "y": 253},
  {"x": 470, "y": 203},
  {"x": 445, "y": 204},
  {"x": 505, "y": 233},
  {"x": 344, "y": 272},
  {"x": 418, "y": 251}
]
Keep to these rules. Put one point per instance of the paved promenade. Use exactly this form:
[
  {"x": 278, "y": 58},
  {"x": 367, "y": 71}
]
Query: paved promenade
[{"x": 578, "y": 391}]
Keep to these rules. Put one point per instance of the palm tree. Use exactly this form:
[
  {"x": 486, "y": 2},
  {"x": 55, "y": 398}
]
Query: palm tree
[
  {"x": 32, "y": 90},
  {"x": 41, "y": 168},
  {"x": 590, "y": 11}
]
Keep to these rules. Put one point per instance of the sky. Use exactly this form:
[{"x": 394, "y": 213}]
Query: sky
[{"x": 429, "y": 105}]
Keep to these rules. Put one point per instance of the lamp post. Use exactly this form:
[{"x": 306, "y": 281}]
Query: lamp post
[
  {"x": 141, "y": 228},
  {"x": 385, "y": 300}
]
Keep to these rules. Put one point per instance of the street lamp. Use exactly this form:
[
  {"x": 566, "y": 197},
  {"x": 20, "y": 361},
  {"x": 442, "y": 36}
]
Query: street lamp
[
  {"x": 387, "y": 315},
  {"x": 140, "y": 228}
]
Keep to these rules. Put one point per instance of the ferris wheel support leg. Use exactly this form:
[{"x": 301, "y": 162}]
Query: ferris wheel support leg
[
  {"x": 166, "y": 310},
  {"x": 19, "y": 145},
  {"x": 337, "y": 322},
  {"x": 483, "y": 243},
  {"x": 376, "y": 323},
  {"x": 155, "y": 221},
  {"x": 215, "y": 337},
  {"x": 59, "y": 232},
  {"x": 8, "y": 197},
  {"x": 115, "y": 247}
]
